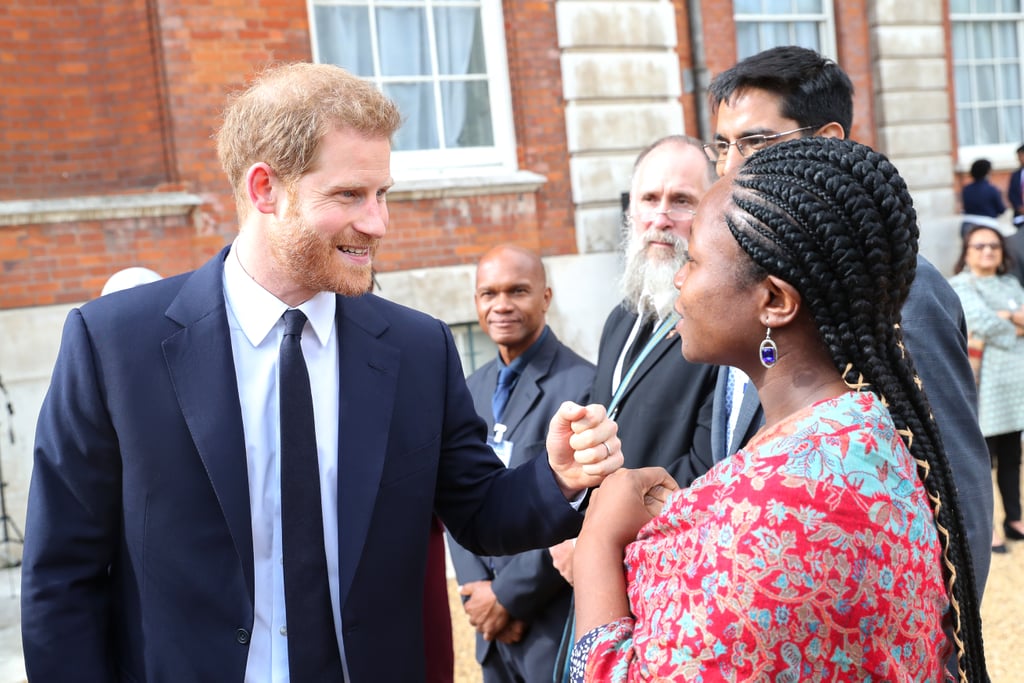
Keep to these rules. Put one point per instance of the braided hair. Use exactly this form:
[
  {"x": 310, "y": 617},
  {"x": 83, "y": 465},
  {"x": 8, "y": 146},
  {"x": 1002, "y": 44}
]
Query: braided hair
[{"x": 834, "y": 219}]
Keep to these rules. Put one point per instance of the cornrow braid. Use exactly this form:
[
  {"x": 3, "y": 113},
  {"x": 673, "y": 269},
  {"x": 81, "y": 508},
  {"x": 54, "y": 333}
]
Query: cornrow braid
[{"x": 834, "y": 219}]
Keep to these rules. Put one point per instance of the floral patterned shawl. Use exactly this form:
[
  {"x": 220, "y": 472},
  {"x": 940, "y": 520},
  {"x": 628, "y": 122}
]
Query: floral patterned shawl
[{"x": 812, "y": 554}]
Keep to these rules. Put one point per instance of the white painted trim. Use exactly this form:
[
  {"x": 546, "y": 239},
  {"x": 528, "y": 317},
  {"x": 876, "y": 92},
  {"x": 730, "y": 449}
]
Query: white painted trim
[{"x": 70, "y": 209}]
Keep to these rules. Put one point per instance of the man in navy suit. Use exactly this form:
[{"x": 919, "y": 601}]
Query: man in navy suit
[
  {"x": 518, "y": 604},
  {"x": 786, "y": 92},
  {"x": 155, "y": 532},
  {"x": 1014, "y": 192}
]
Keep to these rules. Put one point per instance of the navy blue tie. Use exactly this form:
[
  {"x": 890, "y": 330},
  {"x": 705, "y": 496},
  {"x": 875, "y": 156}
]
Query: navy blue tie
[
  {"x": 506, "y": 378},
  {"x": 313, "y": 653}
]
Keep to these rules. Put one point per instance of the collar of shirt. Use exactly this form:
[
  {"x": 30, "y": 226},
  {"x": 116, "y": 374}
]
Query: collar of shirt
[
  {"x": 257, "y": 310},
  {"x": 524, "y": 358}
]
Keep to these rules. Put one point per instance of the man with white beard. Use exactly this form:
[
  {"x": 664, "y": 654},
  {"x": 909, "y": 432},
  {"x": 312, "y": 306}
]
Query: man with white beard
[{"x": 662, "y": 402}]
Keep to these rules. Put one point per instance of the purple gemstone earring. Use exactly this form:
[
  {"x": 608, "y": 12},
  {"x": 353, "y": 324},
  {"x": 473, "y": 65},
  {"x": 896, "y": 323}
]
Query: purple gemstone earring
[{"x": 769, "y": 351}]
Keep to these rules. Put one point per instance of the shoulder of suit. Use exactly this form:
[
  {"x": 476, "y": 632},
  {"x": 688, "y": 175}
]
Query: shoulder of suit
[
  {"x": 569, "y": 358},
  {"x": 377, "y": 315}
]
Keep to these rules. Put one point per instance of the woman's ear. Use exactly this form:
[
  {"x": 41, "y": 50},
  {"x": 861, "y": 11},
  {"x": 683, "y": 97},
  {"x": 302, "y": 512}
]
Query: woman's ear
[{"x": 781, "y": 302}]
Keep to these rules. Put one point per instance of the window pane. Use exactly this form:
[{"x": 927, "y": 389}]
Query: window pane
[
  {"x": 988, "y": 126},
  {"x": 405, "y": 27},
  {"x": 965, "y": 127},
  {"x": 805, "y": 34},
  {"x": 809, "y": 6},
  {"x": 960, "y": 41},
  {"x": 1009, "y": 80},
  {"x": 962, "y": 82},
  {"x": 343, "y": 38},
  {"x": 475, "y": 347},
  {"x": 776, "y": 7},
  {"x": 981, "y": 32},
  {"x": 773, "y": 35},
  {"x": 460, "y": 47},
  {"x": 467, "y": 114},
  {"x": 985, "y": 83},
  {"x": 984, "y": 6},
  {"x": 416, "y": 102},
  {"x": 1006, "y": 45},
  {"x": 1010, "y": 118},
  {"x": 959, "y": 6},
  {"x": 746, "y": 7},
  {"x": 746, "y": 40}
]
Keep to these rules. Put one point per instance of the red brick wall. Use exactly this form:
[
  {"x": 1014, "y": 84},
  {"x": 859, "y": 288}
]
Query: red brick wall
[
  {"x": 91, "y": 121},
  {"x": 204, "y": 64},
  {"x": 81, "y": 113},
  {"x": 54, "y": 263}
]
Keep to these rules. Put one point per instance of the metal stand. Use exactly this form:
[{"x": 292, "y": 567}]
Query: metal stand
[{"x": 10, "y": 531}]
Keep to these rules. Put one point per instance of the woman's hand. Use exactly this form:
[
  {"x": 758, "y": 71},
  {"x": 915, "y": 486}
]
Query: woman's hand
[{"x": 625, "y": 501}]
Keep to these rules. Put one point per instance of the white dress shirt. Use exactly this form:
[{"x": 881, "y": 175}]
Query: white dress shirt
[
  {"x": 254, "y": 318},
  {"x": 646, "y": 309}
]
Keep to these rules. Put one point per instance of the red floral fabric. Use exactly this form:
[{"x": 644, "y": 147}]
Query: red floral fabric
[{"x": 810, "y": 555}]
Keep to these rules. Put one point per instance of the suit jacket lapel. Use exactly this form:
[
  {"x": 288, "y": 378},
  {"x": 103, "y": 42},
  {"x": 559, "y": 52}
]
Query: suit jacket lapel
[
  {"x": 201, "y": 364},
  {"x": 527, "y": 391},
  {"x": 368, "y": 381},
  {"x": 669, "y": 343},
  {"x": 718, "y": 417},
  {"x": 748, "y": 420}
]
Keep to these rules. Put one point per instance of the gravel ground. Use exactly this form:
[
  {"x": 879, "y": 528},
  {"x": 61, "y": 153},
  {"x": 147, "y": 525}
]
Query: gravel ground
[{"x": 1001, "y": 612}]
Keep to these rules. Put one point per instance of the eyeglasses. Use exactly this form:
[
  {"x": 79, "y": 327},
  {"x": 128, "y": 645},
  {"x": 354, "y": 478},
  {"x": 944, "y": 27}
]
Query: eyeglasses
[
  {"x": 674, "y": 214},
  {"x": 746, "y": 145},
  {"x": 978, "y": 246}
]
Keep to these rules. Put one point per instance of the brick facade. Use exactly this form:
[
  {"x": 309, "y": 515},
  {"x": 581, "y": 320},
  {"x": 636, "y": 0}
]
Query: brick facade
[{"x": 122, "y": 96}]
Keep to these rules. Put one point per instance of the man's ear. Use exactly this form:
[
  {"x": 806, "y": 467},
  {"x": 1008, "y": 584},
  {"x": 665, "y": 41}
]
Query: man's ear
[
  {"x": 262, "y": 187},
  {"x": 831, "y": 130},
  {"x": 781, "y": 302}
]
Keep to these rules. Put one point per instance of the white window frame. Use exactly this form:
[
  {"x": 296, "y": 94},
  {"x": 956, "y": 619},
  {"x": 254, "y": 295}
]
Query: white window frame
[
  {"x": 1002, "y": 154},
  {"x": 825, "y": 21},
  {"x": 479, "y": 162}
]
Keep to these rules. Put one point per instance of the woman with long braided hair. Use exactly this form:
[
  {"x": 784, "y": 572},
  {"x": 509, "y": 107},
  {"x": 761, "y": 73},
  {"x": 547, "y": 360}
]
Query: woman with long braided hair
[{"x": 831, "y": 547}]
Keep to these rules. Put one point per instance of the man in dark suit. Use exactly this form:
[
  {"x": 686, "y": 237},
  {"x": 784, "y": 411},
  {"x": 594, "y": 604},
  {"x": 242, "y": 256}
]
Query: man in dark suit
[
  {"x": 661, "y": 401},
  {"x": 786, "y": 92},
  {"x": 1015, "y": 190},
  {"x": 178, "y": 455},
  {"x": 518, "y": 603},
  {"x": 655, "y": 394}
]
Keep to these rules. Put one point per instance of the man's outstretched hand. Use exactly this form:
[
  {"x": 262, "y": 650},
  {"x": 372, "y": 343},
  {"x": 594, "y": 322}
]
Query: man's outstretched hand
[{"x": 583, "y": 447}]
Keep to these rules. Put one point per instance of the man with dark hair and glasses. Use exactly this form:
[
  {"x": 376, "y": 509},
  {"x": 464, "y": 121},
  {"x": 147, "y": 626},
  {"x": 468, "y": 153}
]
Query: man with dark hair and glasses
[{"x": 790, "y": 91}]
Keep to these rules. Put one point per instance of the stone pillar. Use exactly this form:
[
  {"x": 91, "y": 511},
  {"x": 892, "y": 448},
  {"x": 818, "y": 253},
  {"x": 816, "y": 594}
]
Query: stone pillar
[
  {"x": 914, "y": 115},
  {"x": 621, "y": 81}
]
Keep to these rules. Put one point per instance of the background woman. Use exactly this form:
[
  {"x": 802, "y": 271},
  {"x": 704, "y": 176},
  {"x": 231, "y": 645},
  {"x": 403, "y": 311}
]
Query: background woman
[
  {"x": 831, "y": 547},
  {"x": 993, "y": 304}
]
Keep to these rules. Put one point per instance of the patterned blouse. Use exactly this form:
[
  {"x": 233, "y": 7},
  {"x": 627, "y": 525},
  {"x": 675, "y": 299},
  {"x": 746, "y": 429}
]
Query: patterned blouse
[
  {"x": 1001, "y": 389},
  {"x": 812, "y": 554}
]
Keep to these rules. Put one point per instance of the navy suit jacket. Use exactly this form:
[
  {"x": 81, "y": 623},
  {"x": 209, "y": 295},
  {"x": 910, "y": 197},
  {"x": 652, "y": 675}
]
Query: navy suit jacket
[
  {"x": 665, "y": 414},
  {"x": 138, "y": 557},
  {"x": 1013, "y": 192},
  {"x": 936, "y": 336},
  {"x": 527, "y": 584}
]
